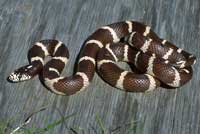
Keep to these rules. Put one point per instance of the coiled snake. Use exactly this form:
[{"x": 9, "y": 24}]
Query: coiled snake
[{"x": 158, "y": 60}]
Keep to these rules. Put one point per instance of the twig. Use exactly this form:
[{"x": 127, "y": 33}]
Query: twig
[{"x": 27, "y": 120}]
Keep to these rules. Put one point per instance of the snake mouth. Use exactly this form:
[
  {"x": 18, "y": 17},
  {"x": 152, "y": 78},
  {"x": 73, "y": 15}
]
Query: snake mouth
[{"x": 9, "y": 79}]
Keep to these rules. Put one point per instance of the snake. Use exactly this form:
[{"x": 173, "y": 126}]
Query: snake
[{"x": 157, "y": 61}]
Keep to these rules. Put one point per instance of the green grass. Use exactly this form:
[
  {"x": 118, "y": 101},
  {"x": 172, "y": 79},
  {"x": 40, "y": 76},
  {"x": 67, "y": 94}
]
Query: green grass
[
  {"x": 33, "y": 130},
  {"x": 132, "y": 127},
  {"x": 100, "y": 124},
  {"x": 51, "y": 127},
  {"x": 2, "y": 127}
]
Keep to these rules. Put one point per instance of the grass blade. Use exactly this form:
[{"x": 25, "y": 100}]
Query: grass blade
[
  {"x": 53, "y": 125},
  {"x": 100, "y": 123}
]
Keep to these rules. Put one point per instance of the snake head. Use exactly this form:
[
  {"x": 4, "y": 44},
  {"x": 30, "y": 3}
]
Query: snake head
[{"x": 21, "y": 74}]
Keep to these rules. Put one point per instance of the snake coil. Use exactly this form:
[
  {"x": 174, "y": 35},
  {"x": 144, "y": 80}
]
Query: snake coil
[{"x": 158, "y": 61}]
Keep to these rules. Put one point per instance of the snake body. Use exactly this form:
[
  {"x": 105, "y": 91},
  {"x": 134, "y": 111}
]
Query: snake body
[{"x": 158, "y": 61}]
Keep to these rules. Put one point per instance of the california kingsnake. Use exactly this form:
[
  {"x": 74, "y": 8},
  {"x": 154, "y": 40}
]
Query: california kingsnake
[{"x": 158, "y": 61}]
